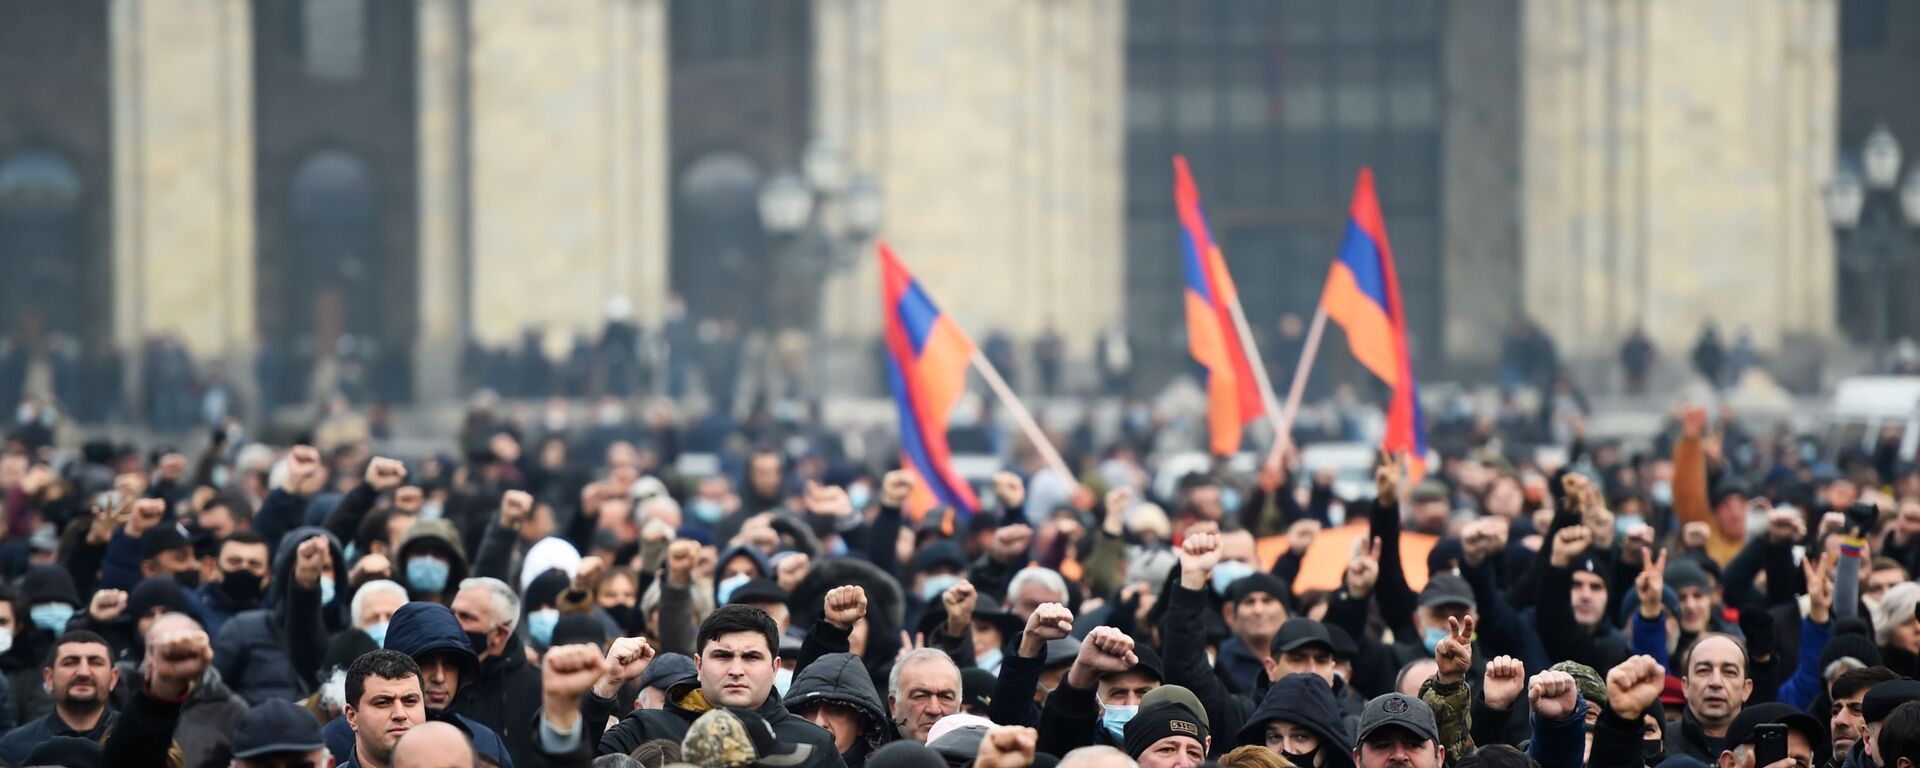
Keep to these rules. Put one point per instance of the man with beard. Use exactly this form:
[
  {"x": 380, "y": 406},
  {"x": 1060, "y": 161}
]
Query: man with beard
[
  {"x": 243, "y": 579},
  {"x": 80, "y": 673},
  {"x": 1849, "y": 722}
]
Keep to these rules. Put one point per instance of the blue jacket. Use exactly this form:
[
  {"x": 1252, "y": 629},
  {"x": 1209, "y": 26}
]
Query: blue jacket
[
  {"x": 1561, "y": 742},
  {"x": 274, "y": 652},
  {"x": 1239, "y": 666},
  {"x": 1806, "y": 683},
  {"x": 419, "y": 629}
]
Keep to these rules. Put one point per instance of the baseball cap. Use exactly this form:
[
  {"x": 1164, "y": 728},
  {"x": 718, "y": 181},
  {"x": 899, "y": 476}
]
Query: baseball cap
[
  {"x": 976, "y": 688},
  {"x": 1447, "y": 589},
  {"x": 1398, "y": 710},
  {"x": 1741, "y": 731},
  {"x": 667, "y": 669},
  {"x": 1061, "y": 652},
  {"x": 276, "y": 725},
  {"x": 1149, "y": 662},
  {"x": 1882, "y": 699},
  {"x": 758, "y": 592},
  {"x": 955, "y": 722},
  {"x": 163, "y": 537},
  {"x": 738, "y": 738},
  {"x": 1299, "y": 631}
]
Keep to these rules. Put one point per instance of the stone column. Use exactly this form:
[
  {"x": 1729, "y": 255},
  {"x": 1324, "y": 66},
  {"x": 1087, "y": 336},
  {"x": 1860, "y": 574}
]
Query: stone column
[
  {"x": 183, "y": 196},
  {"x": 440, "y": 73}
]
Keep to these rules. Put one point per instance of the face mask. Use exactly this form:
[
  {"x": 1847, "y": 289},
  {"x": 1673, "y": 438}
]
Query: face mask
[
  {"x": 430, "y": 510},
  {"x": 1662, "y": 494},
  {"x": 334, "y": 693},
  {"x": 242, "y": 588},
  {"x": 1230, "y": 500},
  {"x": 989, "y": 661},
  {"x": 427, "y": 574},
  {"x": 51, "y": 617},
  {"x": 731, "y": 583},
  {"x": 540, "y": 625},
  {"x": 706, "y": 510},
  {"x": 1303, "y": 759},
  {"x": 326, "y": 591},
  {"x": 379, "y": 634},
  {"x": 1115, "y": 717},
  {"x": 626, "y": 616},
  {"x": 1228, "y": 572},
  {"x": 782, "y": 680},
  {"x": 189, "y": 578},
  {"x": 859, "y": 495},
  {"x": 837, "y": 546},
  {"x": 479, "y": 642},
  {"x": 6, "y": 641},
  {"x": 1432, "y": 638},
  {"x": 1624, "y": 522},
  {"x": 1655, "y": 751},
  {"x": 932, "y": 587}
]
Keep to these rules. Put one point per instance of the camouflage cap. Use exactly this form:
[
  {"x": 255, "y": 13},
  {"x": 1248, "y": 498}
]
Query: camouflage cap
[
  {"x": 1592, "y": 687},
  {"x": 724, "y": 738}
]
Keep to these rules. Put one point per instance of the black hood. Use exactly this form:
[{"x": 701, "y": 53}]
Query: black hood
[
  {"x": 287, "y": 554},
  {"x": 842, "y": 678},
  {"x": 886, "y": 604},
  {"x": 1307, "y": 701}
]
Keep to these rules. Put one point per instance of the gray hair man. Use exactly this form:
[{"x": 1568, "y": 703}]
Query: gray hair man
[{"x": 924, "y": 687}]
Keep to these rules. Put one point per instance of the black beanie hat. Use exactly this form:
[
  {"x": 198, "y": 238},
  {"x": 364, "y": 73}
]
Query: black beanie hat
[
  {"x": 1160, "y": 721},
  {"x": 1853, "y": 645},
  {"x": 345, "y": 647},
  {"x": 545, "y": 589},
  {"x": 48, "y": 584},
  {"x": 158, "y": 591},
  {"x": 580, "y": 628}
]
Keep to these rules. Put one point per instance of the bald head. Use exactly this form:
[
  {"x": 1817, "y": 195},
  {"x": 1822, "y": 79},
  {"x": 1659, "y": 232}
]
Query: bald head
[
  {"x": 170, "y": 622},
  {"x": 1097, "y": 757},
  {"x": 433, "y": 745}
]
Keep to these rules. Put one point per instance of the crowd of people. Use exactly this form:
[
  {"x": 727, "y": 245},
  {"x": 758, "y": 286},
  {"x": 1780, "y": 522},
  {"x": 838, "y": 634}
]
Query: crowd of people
[{"x": 1720, "y": 599}]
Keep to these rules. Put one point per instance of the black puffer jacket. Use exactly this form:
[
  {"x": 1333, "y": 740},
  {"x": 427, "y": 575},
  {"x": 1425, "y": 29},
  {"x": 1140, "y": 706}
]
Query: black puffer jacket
[
  {"x": 274, "y": 652},
  {"x": 686, "y": 701},
  {"x": 841, "y": 678}
]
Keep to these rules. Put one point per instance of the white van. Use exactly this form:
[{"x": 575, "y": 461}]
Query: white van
[{"x": 1864, "y": 405}]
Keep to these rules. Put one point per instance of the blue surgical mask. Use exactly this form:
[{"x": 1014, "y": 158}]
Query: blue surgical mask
[
  {"x": 932, "y": 587},
  {"x": 706, "y": 510},
  {"x": 859, "y": 494},
  {"x": 427, "y": 574},
  {"x": 379, "y": 634},
  {"x": 1228, "y": 572},
  {"x": 326, "y": 591},
  {"x": 1230, "y": 500},
  {"x": 729, "y": 584},
  {"x": 1115, "y": 718},
  {"x": 1624, "y": 522},
  {"x": 1432, "y": 638},
  {"x": 782, "y": 680},
  {"x": 51, "y": 617},
  {"x": 989, "y": 661},
  {"x": 540, "y": 625},
  {"x": 1662, "y": 494}
]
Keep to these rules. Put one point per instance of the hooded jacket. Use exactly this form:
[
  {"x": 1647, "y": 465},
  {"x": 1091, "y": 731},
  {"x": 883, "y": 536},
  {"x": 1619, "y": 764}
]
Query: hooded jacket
[
  {"x": 504, "y": 696},
  {"x": 685, "y": 702},
  {"x": 207, "y": 719},
  {"x": 424, "y": 534},
  {"x": 419, "y": 629},
  {"x": 274, "y": 651},
  {"x": 1307, "y": 701},
  {"x": 841, "y": 678}
]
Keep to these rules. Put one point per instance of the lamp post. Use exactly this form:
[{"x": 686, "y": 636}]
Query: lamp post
[
  {"x": 1872, "y": 219},
  {"x": 818, "y": 217}
]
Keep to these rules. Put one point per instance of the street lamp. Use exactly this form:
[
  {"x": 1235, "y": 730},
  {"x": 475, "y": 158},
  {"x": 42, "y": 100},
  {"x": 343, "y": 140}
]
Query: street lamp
[
  {"x": 820, "y": 216},
  {"x": 1872, "y": 219}
]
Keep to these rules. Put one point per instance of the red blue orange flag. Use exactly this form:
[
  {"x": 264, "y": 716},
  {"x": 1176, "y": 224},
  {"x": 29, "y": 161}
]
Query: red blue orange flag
[
  {"x": 1233, "y": 395},
  {"x": 1363, "y": 296},
  {"x": 927, "y": 359}
]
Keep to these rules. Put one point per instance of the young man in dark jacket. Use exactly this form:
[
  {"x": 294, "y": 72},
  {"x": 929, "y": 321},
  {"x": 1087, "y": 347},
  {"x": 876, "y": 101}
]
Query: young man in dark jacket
[
  {"x": 736, "y": 648},
  {"x": 80, "y": 672},
  {"x": 835, "y": 692},
  {"x": 1300, "y": 720},
  {"x": 431, "y": 636},
  {"x": 274, "y": 651}
]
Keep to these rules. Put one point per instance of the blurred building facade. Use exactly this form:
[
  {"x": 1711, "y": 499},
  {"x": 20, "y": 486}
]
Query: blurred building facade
[{"x": 264, "y": 177}]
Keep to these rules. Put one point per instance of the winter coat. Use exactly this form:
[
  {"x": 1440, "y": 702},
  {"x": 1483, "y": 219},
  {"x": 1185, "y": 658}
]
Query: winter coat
[
  {"x": 274, "y": 652},
  {"x": 1186, "y": 664},
  {"x": 423, "y": 534},
  {"x": 339, "y": 738},
  {"x": 504, "y": 697},
  {"x": 841, "y": 678},
  {"x": 1306, "y": 701},
  {"x": 19, "y": 742},
  {"x": 207, "y": 719},
  {"x": 1687, "y": 739},
  {"x": 686, "y": 701},
  {"x": 22, "y": 666},
  {"x": 420, "y": 629}
]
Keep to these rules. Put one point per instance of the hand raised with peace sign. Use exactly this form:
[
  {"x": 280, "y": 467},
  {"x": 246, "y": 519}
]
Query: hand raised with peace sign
[
  {"x": 1454, "y": 654},
  {"x": 1364, "y": 571},
  {"x": 1819, "y": 573},
  {"x": 1651, "y": 583}
]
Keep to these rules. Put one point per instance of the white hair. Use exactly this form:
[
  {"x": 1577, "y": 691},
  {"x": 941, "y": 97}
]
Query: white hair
[
  {"x": 373, "y": 587},
  {"x": 916, "y": 656},
  {"x": 505, "y": 602},
  {"x": 1045, "y": 577}
]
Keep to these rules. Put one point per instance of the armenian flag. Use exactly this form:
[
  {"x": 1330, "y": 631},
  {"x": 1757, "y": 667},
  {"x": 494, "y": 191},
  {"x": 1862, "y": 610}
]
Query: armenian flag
[
  {"x": 1363, "y": 296},
  {"x": 1233, "y": 395},
  {"x": 927, "y": 359}
]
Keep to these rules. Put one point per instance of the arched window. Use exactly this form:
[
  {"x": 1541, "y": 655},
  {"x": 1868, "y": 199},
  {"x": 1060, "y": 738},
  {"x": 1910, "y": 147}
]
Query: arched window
[
  {"x": 334, "y": 234},
  {"x": 718, "y": 248}
]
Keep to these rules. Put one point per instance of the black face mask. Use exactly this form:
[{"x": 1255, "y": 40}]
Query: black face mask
[
  {"x": 189, "y": 578},
  {"x": 1301, "y": 760},
  {"x": 1655, "y": 751},
  {"x": 627, "y": 616},
  {"x": 479, "y": 641},
  {"x": 242, "y": 588}
]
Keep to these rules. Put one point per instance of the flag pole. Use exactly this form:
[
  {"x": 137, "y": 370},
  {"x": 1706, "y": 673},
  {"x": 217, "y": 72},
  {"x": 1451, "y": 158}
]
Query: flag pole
[
  {"x": 1272, "y": 405},
  {"x": 1021, "y": 416},
  {"x": 1298, "y": 387}
]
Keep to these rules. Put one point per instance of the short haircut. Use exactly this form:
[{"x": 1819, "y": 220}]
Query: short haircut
[
  {"x": 372, "y": 588},
  {"x": 384, "y": 664},
  {"x": 657, "y": 753},
  {"x": 1858, "y": 681},
  {"x": 247, "y": 536},
  {"x": 504, "y": 600},
  {"x": 1496, "y": 756},
  {"x": 917, "y": 656},
  {"x": 1045, "y": 577},
  {"x": 1686, "y": 656},
  {"x": 1900, "y": 736},
  {"x": 76, "y": 636},
  {"x": 373, "y": 528},
  {"x": 239, "y": 508},
  {"x": 729, "y": 619},
  {"x": 1884, "y": 563}
]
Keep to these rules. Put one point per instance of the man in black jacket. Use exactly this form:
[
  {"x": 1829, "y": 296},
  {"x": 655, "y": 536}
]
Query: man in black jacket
[
  {"x": 80, "y": 672},
  {"x": 736, "y": 648},
  {"x": 429, "y": 634},
  {"x": 1099, "y": 694},
  {"x": 274, "y": 651},
  {"x": 506, "y": 691}
]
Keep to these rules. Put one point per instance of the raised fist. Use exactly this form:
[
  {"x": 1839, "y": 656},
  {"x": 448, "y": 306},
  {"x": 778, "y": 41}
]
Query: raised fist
[
  {"x": 1484, "y": 538},
  {"x": 1050, "y": 621},
  {"x": 1503, "y": 681},
  {"x": 384, "y": 474},
  {"x": 589, "y": 573},
  {"x": 1105, "y": 650},
  {"x": 681, "y": 558},
  {"x": 370, "y": 566},
  {"x": 515, "y": 508},
  {"x": 627, "y": 659},
  {"x": 1009, "y": 489},
  {"x": 1118, "y": 501},
  {"x": 1300, "y": 535},
  {"x": 1634, "y": 685},
  {"x": 1011, "y": 542},
  {"x": 1694, "y": 535},
  {"x": 175, "y": 660},
  {"x": 505, "y": 447},
  {"x": 828, "y": 500},
  {"x": 305, "y": 474},
  {"x": 896, "y": 486},
  {"x": 846, "y": 606},
  {"x": 1198, "y": 556},
  {"x": 314, "y": 558},
  {"x": 1569, "y": 544},
  {"x": 1784, "y": 526},
  {"x": 565, "y": 673},
  {"x": 1007, "y": 746},
  {"x": 1553, "y": 694},
  {"x": 959, "y": 601},
  {"x": 146, "y": 514},
  {"x": 791, "y": 570},
  {"x": 107, "y": 605}
]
